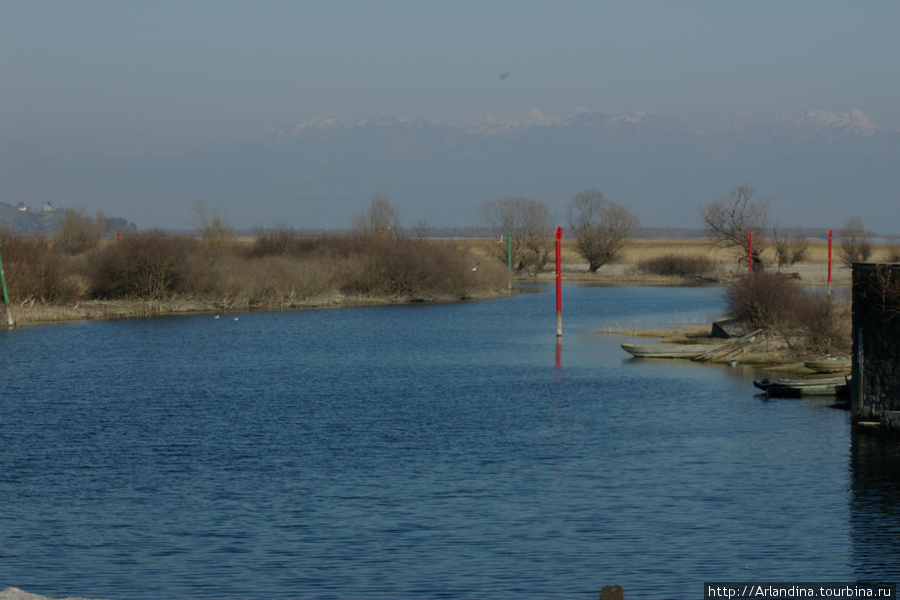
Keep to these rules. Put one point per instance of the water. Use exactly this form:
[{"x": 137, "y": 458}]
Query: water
[{"x": 430, "y": 451}]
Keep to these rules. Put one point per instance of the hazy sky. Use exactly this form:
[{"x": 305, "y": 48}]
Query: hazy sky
[{"x": 167, "y": 76}]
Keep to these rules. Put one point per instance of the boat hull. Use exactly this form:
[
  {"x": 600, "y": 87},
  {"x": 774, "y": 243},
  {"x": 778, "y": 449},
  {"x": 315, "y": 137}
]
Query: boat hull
[
  {"x": 669, "y": 350},
  {"x": 829, "y": 366},
  {"x": 795, "y": 388}
]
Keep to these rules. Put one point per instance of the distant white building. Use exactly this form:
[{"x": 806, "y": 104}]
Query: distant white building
[
  {"x": 21, "y": 206},
  {"x": 49, "y": 207}
]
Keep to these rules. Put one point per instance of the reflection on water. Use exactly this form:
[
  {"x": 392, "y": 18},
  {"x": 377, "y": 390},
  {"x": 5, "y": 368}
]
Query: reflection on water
[
  {"x": 875, "y": 507},
  {"x": 417, "y": 452}
]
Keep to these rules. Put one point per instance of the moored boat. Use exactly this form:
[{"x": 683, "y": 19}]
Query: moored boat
[
  {"x": 829, "y": 366},
  {"x": 669, "y": 350},
  {"x": 793, "y": 388}
]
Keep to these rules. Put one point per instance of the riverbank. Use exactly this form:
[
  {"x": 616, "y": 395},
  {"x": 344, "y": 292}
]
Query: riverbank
[
  {"x": 813, "y": 272},
  {"x": 774, "y": 353}
]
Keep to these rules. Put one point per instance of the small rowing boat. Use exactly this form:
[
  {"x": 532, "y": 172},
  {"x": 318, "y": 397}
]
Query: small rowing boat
[
  {"x": 829, "y": 366},
  {"x": 669, "y": 350},
  {"x": 794, "y": 388}
]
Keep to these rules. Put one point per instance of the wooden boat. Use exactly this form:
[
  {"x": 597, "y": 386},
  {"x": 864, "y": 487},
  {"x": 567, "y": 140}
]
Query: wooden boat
[
  {"x": 829, "y": 366},
  {"x": 695, "y": 351},
  {"x": 794, "y": 388},
  {"x": 669, "y": 350}
]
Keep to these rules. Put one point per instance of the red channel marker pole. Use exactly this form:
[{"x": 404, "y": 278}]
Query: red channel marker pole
[
  {"x": 558, "y": 283},
  {"x": 829, "y": 262}
]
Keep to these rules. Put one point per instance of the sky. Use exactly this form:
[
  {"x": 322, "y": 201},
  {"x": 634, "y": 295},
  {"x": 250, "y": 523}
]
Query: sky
[{"x": 167, "y": 76}]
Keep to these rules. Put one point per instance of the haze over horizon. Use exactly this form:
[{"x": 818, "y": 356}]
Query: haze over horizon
[{"x": 165, "y": 78}]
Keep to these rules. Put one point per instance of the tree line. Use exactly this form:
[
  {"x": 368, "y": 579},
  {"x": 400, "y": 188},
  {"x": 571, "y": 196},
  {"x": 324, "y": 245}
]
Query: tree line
[
  {"x": 601, "y": 229},
  {"x": 730, "y": 221}
]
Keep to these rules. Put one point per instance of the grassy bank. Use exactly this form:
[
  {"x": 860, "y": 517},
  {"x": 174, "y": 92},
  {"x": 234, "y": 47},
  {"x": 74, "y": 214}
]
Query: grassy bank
[
  {"x": 719, "y": 264},
  {"x": 154, "y": 273}
]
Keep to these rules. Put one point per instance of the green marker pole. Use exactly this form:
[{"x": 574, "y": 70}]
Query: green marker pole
[{"x": 9, "y": 318}]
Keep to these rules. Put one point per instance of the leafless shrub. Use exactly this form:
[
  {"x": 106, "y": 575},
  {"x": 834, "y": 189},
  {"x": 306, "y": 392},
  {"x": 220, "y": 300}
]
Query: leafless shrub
[
  {"x": 215, "y": 233},
  {"x": 826, "y": 326},
  {"x": 78, "y": 233},
  {"x": 676, "y": 265},
  {"x": 284, "y": 271},
  {"x": 789, "y": 250},
  {"x": 147, "y": 265},
  {"x": 892, "y": 250},
  {"x": 420, "y": 230},
  {"x": 38, "y": 271},
  {"x": 855, "y": 245},
  {"x": 380, "y": 219},
  {"x": 280, "y": 241},
  {"x": 413, "y": 271},
  {"x": 273, "y": 281},
  {"x": 527, "y": 223},
  {"x": 767, "y": 301}
]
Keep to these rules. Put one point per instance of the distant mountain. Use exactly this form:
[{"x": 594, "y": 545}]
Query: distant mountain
[{"x": 819, "y": 168}]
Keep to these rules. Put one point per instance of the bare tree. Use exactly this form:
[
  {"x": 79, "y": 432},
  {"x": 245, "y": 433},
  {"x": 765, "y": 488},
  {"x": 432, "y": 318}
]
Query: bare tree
[
  {"x": 855, "y": 245},
  {"x": 214, "y": 231},
  {"x": 600, "y": 226},
  {"x": 731, "y": 219},
  {"x": 79, "y": 233},
  {"x": 421, "y": 230},
  {"x": 528, "y": 223},
  {"x": 893, "y": 249},
  {"x": 379, "y": 219},
  {"x": 791, "y": 249}
]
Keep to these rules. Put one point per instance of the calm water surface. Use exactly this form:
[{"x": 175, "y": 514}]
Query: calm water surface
[{"x": 448, "y": 451}]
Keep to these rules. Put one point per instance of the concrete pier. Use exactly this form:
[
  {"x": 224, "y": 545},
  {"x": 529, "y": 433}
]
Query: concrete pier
[{"x": 875, "y": 384}]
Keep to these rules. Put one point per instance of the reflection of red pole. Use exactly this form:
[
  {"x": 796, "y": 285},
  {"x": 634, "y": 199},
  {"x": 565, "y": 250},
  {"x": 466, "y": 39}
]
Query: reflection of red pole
[
  {"x": 750, "y": 258},
  {"x": 558, "y": 283},
  {"x": 829, "y": 262}
]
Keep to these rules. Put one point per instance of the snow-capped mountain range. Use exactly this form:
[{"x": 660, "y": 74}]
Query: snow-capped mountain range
[{"x": 818, "y": 168}]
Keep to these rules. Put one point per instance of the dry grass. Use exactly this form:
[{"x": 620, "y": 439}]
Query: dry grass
[
  {"x": 812, "y": 271},
  {"x": 156, "y": 273},
  {"x": 301, "y": 272}
]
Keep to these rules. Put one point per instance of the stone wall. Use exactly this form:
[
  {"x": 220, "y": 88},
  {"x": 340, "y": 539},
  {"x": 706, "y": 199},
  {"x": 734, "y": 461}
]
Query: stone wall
[{"x": 875, "y": 387}]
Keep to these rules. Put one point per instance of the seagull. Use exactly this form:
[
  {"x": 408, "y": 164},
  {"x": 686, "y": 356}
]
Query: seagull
[
  {"x": 235, "y": 318},
  {"x": 216, "y": 317},
  {"x": 504, "y": 75},
  {"x": 475, "y": 268}
]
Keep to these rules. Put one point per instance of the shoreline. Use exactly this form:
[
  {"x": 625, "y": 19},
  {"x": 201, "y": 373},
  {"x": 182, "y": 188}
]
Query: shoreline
[
  {"x": 33, "y": 313},
  {"x": 773, "y": 354}
]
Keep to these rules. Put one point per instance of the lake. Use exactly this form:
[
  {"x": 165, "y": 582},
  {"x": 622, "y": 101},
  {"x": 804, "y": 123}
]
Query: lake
[{"x": 423, "y": 451}]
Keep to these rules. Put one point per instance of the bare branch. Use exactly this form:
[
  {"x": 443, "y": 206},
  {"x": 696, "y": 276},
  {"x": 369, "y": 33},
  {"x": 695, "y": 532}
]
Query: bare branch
[
  {"x": 528, "y": 223},
  {"x": 600, "y": 226},
  {"x": 731, "y": 219}
]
